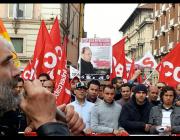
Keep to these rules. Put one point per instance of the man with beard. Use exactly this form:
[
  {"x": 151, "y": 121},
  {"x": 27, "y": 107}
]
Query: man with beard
[{"x": 37, "y": 102}]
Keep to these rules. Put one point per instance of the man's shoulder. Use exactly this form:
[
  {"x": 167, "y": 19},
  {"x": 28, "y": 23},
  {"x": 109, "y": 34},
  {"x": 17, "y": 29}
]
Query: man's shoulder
[
  {"x": 89, "y": 103},
  {"x": 72, "y": 103},
  {"x": 155, "y": 108},
  {"x": 117, "y": 105}
]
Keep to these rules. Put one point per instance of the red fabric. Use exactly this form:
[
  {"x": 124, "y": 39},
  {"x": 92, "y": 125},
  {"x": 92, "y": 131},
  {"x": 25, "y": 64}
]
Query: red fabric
[
  {"x": 119, "y": 62},
  {"x": 169, "y": 67},
  {"x": 39, "y": 49},
  {"x": 30, "y": 134},
  {"x": 55, "y": 33},
  {"x": 62, "y": 86},
  {"x": 49, "y": 56},
  {"x": 132, "y": 70},
  {"x": 27, "y": 74}
]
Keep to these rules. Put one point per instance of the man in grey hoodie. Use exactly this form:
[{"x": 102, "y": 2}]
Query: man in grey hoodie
[{"x": 105, "y": 115}]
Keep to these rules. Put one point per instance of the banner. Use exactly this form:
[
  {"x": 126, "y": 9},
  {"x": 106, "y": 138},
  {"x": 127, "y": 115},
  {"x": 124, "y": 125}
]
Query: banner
[
  {"x": 95, "y": 58},
  {"x": 169, "y": 67},
  {"x": 5, "y": 35},
  {"x": 119, "y": 61},
  {"x": 147, "y": 61}
]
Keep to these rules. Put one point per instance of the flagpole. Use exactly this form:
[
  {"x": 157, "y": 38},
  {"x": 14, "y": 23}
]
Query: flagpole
[{"x": 149, "y": 76}]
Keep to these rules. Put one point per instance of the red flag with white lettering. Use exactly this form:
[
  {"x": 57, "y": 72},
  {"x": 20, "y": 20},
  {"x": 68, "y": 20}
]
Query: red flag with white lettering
[
  {"x": 60, "y": 74},
  {"x": 132, "y": 70},
  {"x": 62, "y": 87},
  {"x": 27, "y": 73},
  {"x": 50, "y": 58},
  {"x": 147, "y": 61},
  {"x": 33, "y": 69},
  {"x": 119, "y": 62},
  {"x": 169, "y": 67}
]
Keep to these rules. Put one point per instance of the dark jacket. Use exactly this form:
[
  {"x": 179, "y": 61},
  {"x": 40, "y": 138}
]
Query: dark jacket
[
  {"x": 155, "y": 118},
  {"x": 134, "y": 117},
  {"x": 117, "y": 95},
  {"x": 12, "y": 122},
  {"x": 53, "y": 129},
  {"x": 86, "y": 67},
  {"x": 155, "y": 103}
]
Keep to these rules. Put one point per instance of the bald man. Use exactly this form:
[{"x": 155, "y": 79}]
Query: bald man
[{"x": 153, "y": 95}]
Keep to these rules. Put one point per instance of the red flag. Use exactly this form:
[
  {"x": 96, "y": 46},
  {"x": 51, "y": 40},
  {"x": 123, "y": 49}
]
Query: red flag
[
  {"x": 41, "y": 43},
  {"x": 169, "y": 67},
  {"x": 27, "y": 74},
  {"x": 55, "y": 33},
  {"x": 119, "y": 62},
  {"x": 132, "y": 70},
  {"x": 50, "y": 58},
  {"x": 62, "y": 87}
]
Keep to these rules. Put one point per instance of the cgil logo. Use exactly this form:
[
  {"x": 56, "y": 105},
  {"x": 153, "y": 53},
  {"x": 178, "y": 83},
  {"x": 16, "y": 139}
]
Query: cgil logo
[{"x": 171, "y": 71}]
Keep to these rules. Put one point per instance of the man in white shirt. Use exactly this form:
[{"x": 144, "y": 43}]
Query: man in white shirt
[{"x": 82, "y": 106}]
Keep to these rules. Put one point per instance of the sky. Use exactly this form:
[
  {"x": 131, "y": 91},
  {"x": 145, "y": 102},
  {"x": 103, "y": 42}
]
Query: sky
[{"x": 105, "y": 20}]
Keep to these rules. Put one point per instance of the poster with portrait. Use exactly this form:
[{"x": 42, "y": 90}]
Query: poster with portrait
[{"x": 95, "y": 56}]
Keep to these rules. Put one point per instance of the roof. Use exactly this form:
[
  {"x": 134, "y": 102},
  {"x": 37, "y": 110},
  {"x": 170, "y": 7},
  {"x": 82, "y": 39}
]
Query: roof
[{"x": 139, "y": 8}]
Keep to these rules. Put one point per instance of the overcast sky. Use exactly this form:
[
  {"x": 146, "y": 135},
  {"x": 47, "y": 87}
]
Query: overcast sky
[{"x": 105, "y": 20}]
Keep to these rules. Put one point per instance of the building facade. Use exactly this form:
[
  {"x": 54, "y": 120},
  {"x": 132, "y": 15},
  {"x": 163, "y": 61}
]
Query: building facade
[
  {"x": 139, "y": 29},
  {"x": 166, "y": 28},
  {"x": 22, "y": 22}
]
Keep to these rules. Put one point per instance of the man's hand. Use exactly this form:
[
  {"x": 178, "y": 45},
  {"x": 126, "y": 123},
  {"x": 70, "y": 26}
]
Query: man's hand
[
  {"x": 38, "y": 103},
  {"x": 136, "y": 74},
  {"x": 168, "y": 129},
  {"x": 147, "y": 127},
  {"x": 178, "y": 103},
  {"x": 74, "y": 122},
  {"x": 120, "y": 133},
  {"x": 88, "y": 131}
]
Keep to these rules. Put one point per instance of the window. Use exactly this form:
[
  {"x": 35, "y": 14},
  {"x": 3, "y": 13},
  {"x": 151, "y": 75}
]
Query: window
[
  {"x": 21, "y": 11},
  {"x": 18, "y": 44}
]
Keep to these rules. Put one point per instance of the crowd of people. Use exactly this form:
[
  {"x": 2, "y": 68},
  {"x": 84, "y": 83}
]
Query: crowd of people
[{"x": 117, "y": 108}]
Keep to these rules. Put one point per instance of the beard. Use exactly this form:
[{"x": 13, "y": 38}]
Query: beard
[{"x": 8, "y": 98}]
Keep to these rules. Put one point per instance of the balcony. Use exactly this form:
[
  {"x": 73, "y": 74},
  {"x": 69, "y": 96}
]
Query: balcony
[
  {"x": 140, "y": 41},
  {"x": 171, "y": 23},
  {"x": 162, "y": 30},
  {"x": 170, "y": 46},
  {"x": 156, "y": 33},
  {"x": 163, "y": 50},
  {"x": 164, "y": 8},
  {"x": 155, "y": 52},
  {"x": 156, "y": 14}
]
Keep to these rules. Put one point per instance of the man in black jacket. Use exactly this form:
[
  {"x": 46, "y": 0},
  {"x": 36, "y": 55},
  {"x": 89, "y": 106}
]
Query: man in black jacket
[
  {"x": 135, "y": 114},
  {"x": 86, "y": 65}
]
